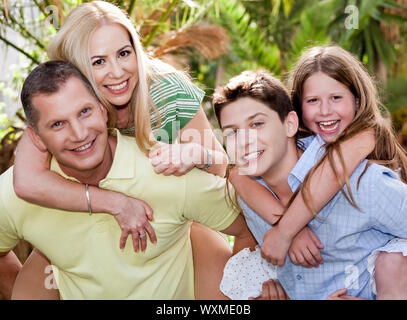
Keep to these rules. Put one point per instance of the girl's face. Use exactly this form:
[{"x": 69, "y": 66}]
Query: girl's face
[
  {"x": 328, "y": 106},
  {"x": 114, "y": 65},
  {"x": 256, "y": 139}
]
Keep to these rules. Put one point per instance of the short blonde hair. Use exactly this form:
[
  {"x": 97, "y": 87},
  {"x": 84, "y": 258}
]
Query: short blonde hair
[{"x": 72, "y": 43}]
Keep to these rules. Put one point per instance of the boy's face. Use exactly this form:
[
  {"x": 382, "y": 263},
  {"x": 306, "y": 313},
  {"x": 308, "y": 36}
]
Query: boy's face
[
  {"x": 256, "y": 139},
  {"x": 71, "y": 126}
]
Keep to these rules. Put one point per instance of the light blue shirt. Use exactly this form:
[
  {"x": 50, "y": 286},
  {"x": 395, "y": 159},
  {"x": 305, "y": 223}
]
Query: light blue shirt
[{"x": 348, "y": 235}]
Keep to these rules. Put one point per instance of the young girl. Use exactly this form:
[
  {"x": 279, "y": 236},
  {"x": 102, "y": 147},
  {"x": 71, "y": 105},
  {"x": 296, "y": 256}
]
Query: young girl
[{"x": 323, "y": 113}]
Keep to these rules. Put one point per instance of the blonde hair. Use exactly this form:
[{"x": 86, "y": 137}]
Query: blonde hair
[
  {"x": 370, "y": 114},
  {"x": 72, "y": 43}
]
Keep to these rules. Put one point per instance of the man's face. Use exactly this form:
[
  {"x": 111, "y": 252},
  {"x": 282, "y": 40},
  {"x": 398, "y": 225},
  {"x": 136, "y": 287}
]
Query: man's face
[{"x": 71, "y": 126}]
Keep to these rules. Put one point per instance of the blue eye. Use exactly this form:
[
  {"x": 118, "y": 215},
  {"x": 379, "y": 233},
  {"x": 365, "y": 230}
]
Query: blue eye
[
  {"x": 257, "y": 124},
  {"x": 85, "y": 110},
  {"x": 56, "y": 124},
  {"x": 229, "y": 133}
]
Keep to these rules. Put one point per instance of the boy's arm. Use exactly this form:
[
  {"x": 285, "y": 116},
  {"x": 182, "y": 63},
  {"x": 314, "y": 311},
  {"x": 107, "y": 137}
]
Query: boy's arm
[
  {"x": 9, "y": 268},
  {"x": 323, "y": 187},
  {"x": 257, "y": 197}
]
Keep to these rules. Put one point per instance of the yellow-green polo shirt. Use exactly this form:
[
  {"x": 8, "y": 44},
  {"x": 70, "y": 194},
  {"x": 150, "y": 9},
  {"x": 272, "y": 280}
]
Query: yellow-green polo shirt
[{"x": 84, "y": 250}]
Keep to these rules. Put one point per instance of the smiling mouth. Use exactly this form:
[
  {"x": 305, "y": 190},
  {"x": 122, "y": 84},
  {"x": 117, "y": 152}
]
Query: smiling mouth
[
  {"x": 328, "y": 125},
  {"x": 252, "y": 155},
  {"x": 84, "y": 147},
  {"x": 119, "y": 87}
]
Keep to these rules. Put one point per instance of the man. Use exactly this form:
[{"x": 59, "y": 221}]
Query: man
[{"x": 66, "y": 119}]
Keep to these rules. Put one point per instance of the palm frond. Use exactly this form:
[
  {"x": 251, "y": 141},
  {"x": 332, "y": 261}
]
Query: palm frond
[{"x": 211, "y": 41}]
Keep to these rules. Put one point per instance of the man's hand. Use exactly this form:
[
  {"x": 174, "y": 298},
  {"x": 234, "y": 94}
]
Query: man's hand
[
  {"x": 305, "y": 248},
  {"x": 275, "y": 246},
  {"x": 341, "y": 295},
  {"x": 271, "y": 290}
]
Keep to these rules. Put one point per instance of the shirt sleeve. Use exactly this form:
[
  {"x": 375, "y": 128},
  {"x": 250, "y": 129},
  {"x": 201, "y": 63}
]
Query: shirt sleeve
[
  {"x": 177, "y": 100},
  {"x": 206, "y": 200},
  {"x": 388, "y": 197},
  {"x": 8, "y": 234}
]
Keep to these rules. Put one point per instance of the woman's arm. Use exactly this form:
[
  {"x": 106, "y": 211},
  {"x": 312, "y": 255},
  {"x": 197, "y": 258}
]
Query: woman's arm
[
  {"x": 195, "y": 139},
  {"x": 322, "y": 183},
  {"x": 35, "y": 183}
]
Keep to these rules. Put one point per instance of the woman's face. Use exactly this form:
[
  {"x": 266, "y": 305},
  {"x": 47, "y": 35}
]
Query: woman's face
[
  {"x": 328, "y": 107},
  {"x": 114, "y": 65}
]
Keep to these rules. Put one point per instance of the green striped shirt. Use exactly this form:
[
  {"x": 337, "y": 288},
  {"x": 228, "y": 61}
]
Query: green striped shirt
[{"x": 177, "y": 100}]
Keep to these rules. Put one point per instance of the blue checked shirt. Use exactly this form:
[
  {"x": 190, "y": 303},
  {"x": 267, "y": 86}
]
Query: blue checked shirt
[{"x": 348, "y": 235}]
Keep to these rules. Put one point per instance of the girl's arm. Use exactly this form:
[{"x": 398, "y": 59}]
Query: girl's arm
[
  {"x": 257, "y": 197},
  {"x": 196, "y": 137},
  {"x": 35, "y": 183},
  {"x": 323, "y": 185}
]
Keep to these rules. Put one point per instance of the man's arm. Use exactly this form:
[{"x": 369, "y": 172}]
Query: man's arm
[
  {"x": 9, "y": 268},
  {"x": 242, "y": 234}
]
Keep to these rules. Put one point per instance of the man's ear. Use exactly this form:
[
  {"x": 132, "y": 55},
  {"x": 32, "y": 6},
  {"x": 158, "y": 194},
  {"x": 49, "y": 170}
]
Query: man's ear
[
  {"x": 104, "y": 112},
  {"x": 35, "y": 138},
  {"x": 291, "y": 124}
]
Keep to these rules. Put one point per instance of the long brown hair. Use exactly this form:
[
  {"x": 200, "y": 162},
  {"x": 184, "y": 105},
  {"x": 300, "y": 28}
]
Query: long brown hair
[{"x": 370, "y": 114}]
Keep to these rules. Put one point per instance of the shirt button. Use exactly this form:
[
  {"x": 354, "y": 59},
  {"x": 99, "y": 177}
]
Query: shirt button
[{"x": 299, "y": 277}]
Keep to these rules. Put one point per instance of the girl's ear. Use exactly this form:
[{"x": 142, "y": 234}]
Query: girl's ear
[
  {"x": 36, "y": 139},
  {"x": 291, "y": 124}
]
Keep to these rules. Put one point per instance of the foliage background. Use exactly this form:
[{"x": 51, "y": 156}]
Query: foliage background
[{"x": 216, "y": 39}]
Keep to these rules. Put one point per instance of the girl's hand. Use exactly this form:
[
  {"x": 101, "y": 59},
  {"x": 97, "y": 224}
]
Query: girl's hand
[
  {"x": 275, "y": 246},
  {"x": 177, "y": 159},
  {"x": 133, "y": 218},
  {"x": 305, "y": 248}
]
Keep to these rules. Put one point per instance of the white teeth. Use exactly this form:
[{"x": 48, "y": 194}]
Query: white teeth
[
  {"x": 324, "y": 124},
  {"x": 251, "y": 156},
  {"x": 86, "y": 146},
  {"x": 328, "y": 123},
  {"x": 119, "y": 86}
]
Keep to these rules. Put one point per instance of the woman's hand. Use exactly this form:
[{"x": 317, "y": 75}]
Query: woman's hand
[
  {"x": 133, "y": 218},
  {"x": 178, "y": 158},
  {"x": 305, "y": 248}
]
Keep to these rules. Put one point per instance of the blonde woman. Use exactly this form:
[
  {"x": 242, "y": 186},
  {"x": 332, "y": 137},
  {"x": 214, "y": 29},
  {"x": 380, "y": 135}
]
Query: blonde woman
[{"x": 144, "y": 94}]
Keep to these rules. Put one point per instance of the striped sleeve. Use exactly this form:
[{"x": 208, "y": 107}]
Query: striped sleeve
[{"x": 177, "y": 100}]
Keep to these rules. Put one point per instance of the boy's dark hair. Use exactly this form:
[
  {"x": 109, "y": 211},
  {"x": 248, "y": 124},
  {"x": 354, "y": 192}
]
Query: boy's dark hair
[
  {"x": 47, "y": 79},
  {"x": 259, "y": 85}
]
